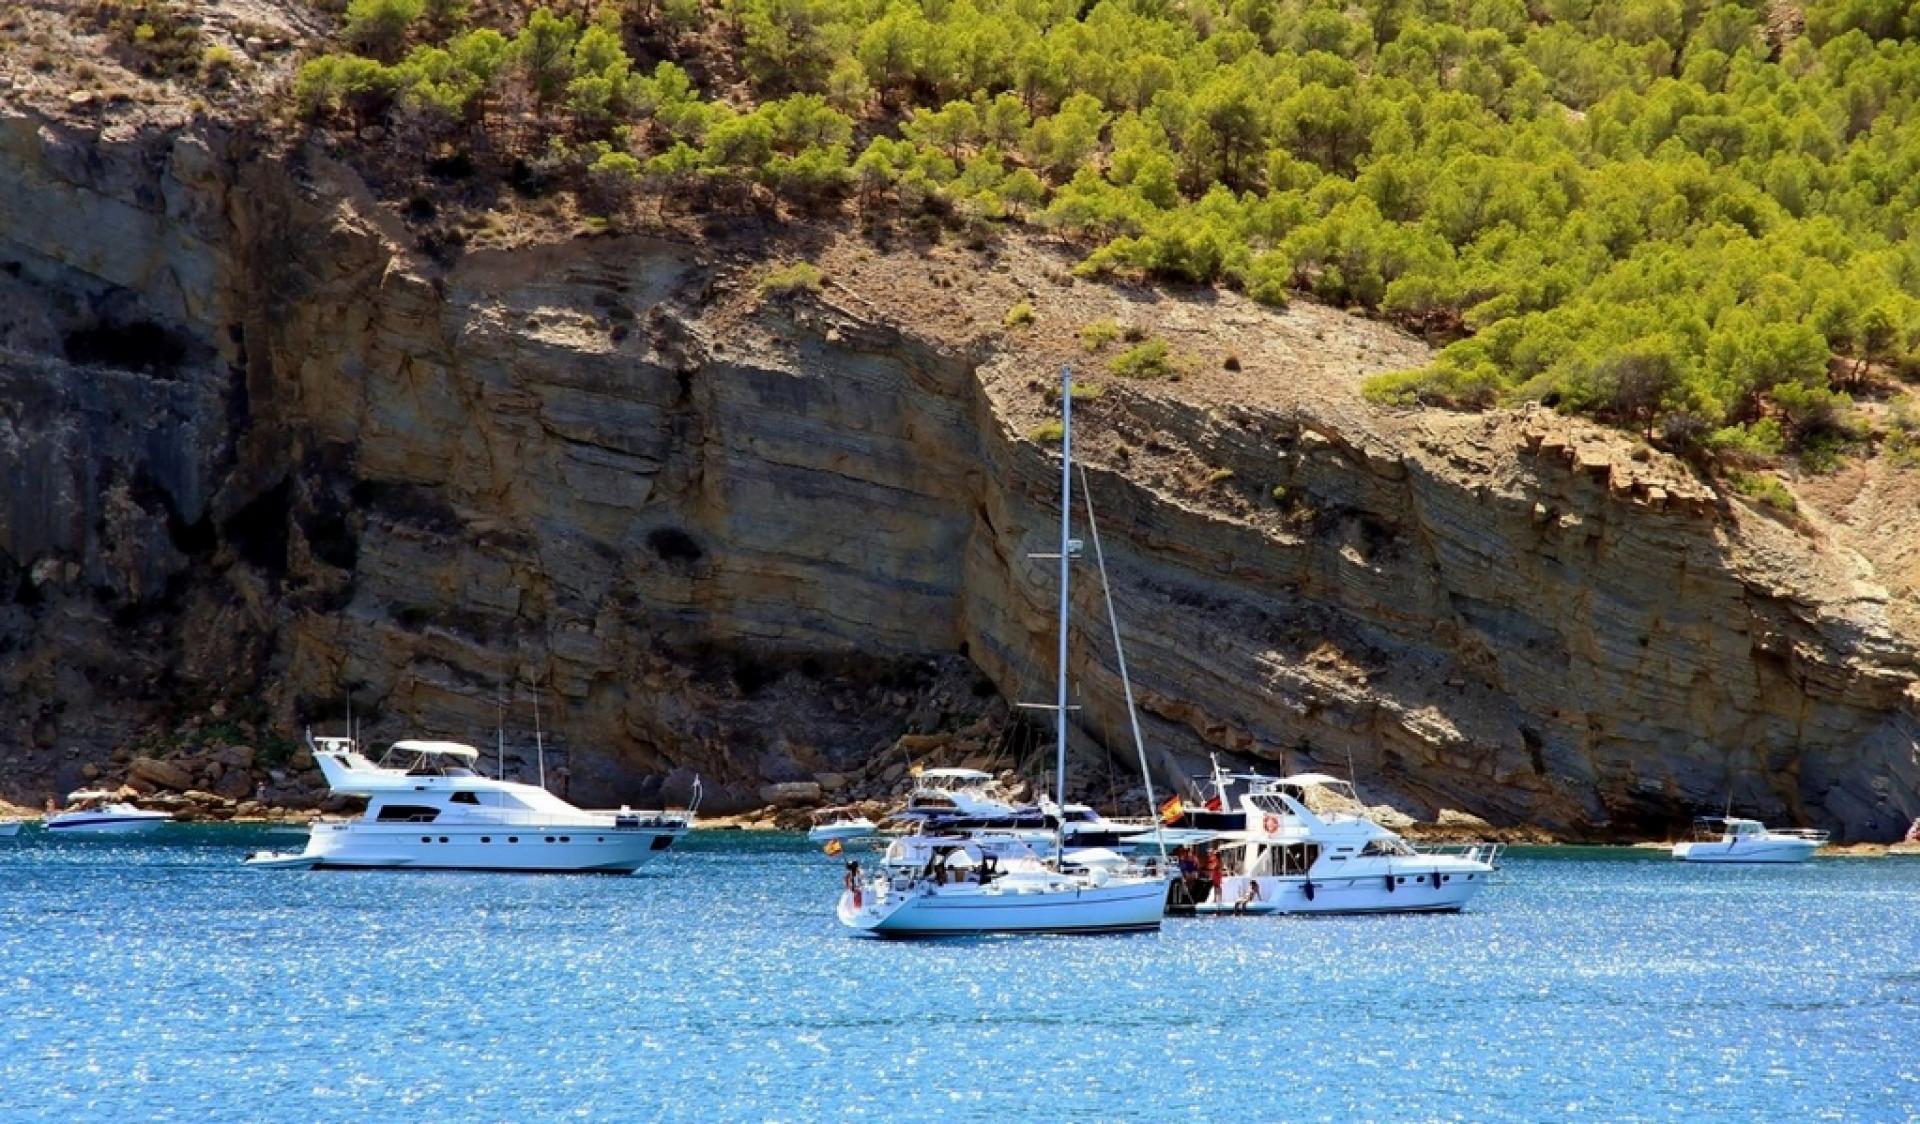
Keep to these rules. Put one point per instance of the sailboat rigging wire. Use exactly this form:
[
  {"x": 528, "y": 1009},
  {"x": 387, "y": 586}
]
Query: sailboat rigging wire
[{"x": 1120, "y": 657}]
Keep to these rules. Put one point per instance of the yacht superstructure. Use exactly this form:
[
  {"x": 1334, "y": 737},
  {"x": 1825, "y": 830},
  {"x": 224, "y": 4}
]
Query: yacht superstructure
[{"x": 428, "y": 809}]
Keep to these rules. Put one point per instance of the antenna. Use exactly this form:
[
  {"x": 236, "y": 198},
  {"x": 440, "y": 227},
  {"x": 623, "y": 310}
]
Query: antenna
[
  {"x": 500, "y": 727},
  {"x": 352, "y": 735},
  {"x": 539, "y": 747}
]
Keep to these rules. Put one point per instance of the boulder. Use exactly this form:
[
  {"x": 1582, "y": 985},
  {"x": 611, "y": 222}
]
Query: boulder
[
  {"x": 235, "y": 784},
  {"x": 90, "y": 771},
  {"x": 160, "y": 774},
  {"x": 791, "y": 794},
  {"x": 301, "y": 760},
  {"x": 235, "y": 756},
  {"x": 923, "y": 743},
  {"x": 830, "y": 782},
  {"x": 1454, "y": 819}
]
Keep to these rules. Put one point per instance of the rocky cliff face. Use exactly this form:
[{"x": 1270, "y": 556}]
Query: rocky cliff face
[{"x": 258, "y": 451}]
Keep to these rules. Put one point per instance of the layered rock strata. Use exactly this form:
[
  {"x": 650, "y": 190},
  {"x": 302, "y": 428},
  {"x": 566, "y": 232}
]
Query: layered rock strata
[{"x": 258, "y": 450}]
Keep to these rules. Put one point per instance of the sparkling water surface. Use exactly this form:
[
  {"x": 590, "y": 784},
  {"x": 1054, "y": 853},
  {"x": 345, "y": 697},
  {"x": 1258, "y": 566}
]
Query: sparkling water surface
[{"x": 154, "y": 978}]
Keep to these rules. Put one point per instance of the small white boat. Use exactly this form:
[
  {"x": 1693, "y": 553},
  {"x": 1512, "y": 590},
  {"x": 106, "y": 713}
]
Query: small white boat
[
  {"x": 9, "y": 827},
  {"x": 96, "y": 813},
  {"x": 840, "y": 826},
  {"x": 1723, "y": 840}
]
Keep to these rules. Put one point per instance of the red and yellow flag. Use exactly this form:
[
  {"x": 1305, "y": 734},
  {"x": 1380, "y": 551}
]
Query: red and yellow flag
[
  {"x": 834, "y": 847},
  {"x": 1172, "y": 810}
]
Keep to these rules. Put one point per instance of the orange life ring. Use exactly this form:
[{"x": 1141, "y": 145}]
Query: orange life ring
[{"x": 1271, "y": 823}]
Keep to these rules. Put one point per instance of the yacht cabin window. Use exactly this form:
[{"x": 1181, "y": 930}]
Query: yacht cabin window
[
  {"x": 464, "y": 798},
  {"x": 407, "y": 813}
]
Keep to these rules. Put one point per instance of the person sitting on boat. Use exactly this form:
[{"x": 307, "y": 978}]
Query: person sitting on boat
[{"x": 1248, "y": 896}]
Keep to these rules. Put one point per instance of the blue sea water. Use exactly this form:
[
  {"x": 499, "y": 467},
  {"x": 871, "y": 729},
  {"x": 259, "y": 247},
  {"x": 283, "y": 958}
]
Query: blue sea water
[{"x": 157, "y": 979}]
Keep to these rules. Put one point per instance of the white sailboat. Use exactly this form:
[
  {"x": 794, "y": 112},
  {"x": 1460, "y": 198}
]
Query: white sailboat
[{"x": 958, "y": 892}]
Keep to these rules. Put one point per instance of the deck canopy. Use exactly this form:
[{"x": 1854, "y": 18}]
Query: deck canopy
[{"x": 438, "y": 749}]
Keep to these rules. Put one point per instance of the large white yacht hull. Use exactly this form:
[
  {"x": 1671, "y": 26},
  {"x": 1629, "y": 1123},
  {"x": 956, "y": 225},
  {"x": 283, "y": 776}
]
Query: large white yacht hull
[
  {"x": 1122, "y": 906},
  {"x": 479, "y": 847},
  {"x": 1773, "y": 850},
  {"x": 1422, "y": 891}
]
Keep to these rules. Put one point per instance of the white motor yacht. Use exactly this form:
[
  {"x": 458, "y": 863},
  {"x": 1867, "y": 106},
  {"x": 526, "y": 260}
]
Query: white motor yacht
[
  {"x": 1027, "y": 895},
  {"x": 93, "y": 811},
  {"x": 428, "y": 809},
  {"x": 1719, "y": 839},
  {"x": 965, "y": 796},
  {"x": 1287, "y": 858},
  {"x": 830, "y": 824},
  {"x": 9, "y": 828}
]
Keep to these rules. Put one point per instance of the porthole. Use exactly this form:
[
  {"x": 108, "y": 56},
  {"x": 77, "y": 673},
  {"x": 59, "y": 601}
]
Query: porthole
[
  {"x": 513, "y": 839},
  {"x": 1446, "y": 878},
  {"x": 599, "y": 839},
  {"x": 1403, "y": 880},
  {"x": 426, "y": 839},
  {"x": 443, "y": 839},
  {"x": 566, "y": 839},
  {"x": 549, "y": 838},
  {"x": 486, "y": 839}
]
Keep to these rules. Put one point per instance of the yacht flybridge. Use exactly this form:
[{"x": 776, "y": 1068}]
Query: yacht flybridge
[
  {"x": 427, "y": 808},
  {"x": 964, "y": 885}
]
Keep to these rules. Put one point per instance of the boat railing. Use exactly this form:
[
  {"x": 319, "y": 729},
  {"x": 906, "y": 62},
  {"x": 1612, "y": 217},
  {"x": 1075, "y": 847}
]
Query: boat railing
[
  {"x": 599, "y": 818},
  {"x": 1809, "y": 833},
  {"x": 1488, "y": 853}
]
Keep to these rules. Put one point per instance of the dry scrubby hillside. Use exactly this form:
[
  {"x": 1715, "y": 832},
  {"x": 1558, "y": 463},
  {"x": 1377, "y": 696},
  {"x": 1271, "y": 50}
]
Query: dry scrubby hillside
[{"x": 748, "y": 474}]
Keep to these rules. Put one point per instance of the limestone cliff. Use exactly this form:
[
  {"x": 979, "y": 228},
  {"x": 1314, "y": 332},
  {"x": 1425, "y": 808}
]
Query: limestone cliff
[{"x": 259, "y": 451}]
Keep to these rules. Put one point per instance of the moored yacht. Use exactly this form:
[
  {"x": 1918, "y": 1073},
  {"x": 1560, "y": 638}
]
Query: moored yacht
[
  {"x": 1720, "y": 839},
  {"x": 9, "y": 828},
  {"x": 92, "y": 811},
  {"x": 428, "y": 809},
  {"x": 842, "y": 824},
  {"x": 1284, "y": 857}
]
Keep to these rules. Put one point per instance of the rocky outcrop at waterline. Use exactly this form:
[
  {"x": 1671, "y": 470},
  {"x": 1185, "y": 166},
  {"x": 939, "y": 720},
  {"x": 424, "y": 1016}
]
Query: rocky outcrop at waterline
[{"x": 260, "y": 451}]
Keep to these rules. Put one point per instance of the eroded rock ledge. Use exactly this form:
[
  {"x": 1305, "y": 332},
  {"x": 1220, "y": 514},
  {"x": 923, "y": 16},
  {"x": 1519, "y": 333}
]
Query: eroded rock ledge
[{"x": 256, "y": 451}]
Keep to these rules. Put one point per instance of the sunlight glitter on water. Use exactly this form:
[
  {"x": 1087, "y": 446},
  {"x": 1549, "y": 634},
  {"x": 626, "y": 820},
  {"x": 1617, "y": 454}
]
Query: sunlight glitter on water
[{"x": 159, "y": 979}]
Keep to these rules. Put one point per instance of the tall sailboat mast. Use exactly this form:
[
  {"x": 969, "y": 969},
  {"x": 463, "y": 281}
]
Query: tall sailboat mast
[{"x": 1066, "y": 561}]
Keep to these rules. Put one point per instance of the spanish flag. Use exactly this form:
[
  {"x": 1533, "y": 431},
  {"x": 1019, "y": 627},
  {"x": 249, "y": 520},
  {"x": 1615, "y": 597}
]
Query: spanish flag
[
  {"x": 1172, "y": 810},
  {"x": 833, "y": 847}
]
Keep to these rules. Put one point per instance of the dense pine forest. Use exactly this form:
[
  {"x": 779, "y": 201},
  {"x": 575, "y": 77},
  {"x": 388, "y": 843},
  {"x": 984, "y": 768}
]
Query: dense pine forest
[{"x": 1697, "y": 220}]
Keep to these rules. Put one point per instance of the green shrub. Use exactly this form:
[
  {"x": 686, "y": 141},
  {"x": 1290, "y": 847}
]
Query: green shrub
[
  {"x": 379, "y": 27},
  {"x": 1098, "y": 334},
  {"x": 217, "y": 65},
  {"x": 796, "y": 278},
  {"x": 1765, "y": 489},
  {"x": 1150, "y": 360},
  {"x": 1019, "y": 316},
  {"x": 1047, "y": 433}
]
